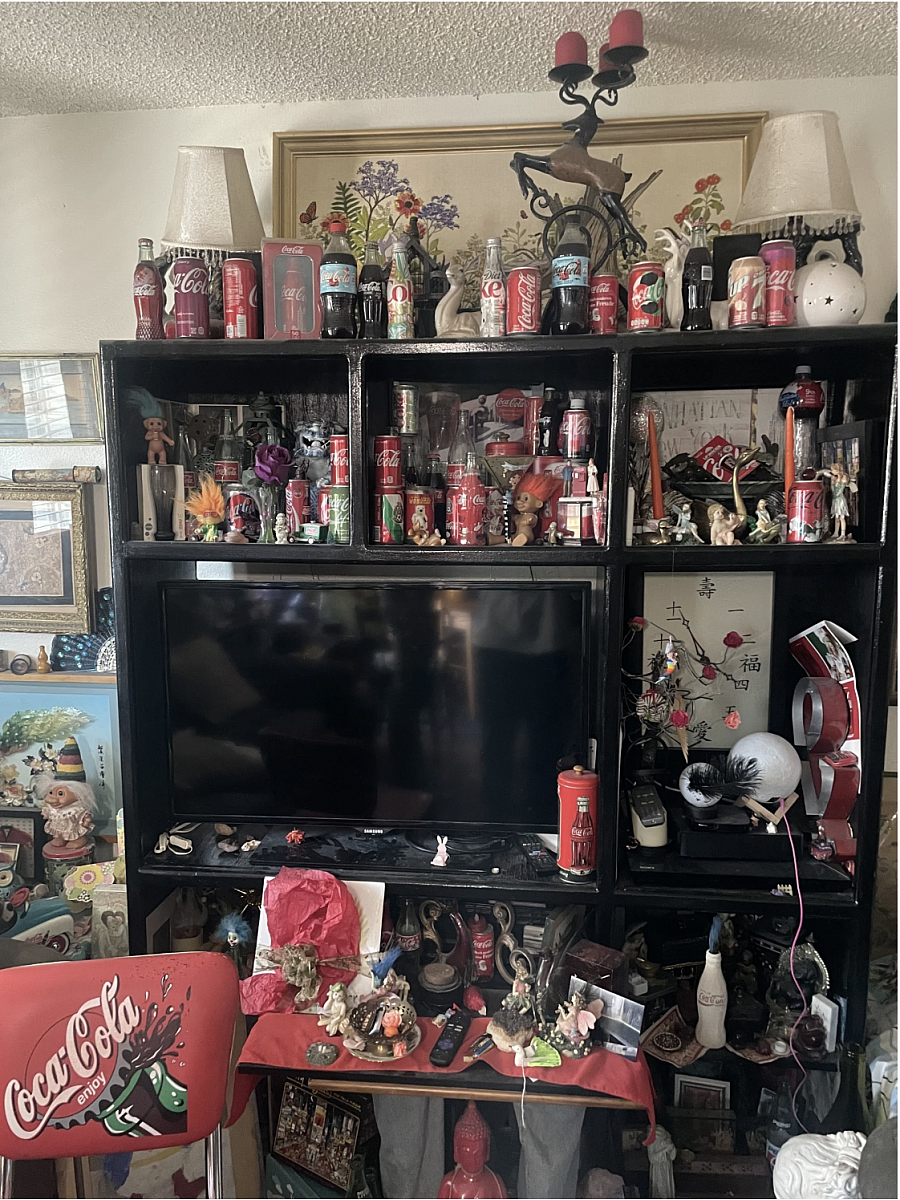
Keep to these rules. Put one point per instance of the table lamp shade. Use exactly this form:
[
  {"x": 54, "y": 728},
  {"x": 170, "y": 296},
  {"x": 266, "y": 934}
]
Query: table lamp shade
[
  {"x": 212, "y": 205},
  {"x": 799, "y": 171}
]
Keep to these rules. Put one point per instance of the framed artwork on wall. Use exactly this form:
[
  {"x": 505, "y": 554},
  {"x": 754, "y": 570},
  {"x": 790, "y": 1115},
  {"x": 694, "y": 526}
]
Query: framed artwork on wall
[
  {"x": 50, "y": 398},
  {"x": 44, "y": 566},
  {"x": 459, "y": 184}
]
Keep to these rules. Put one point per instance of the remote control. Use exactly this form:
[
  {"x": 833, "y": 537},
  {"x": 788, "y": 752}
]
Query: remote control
[
  {"x": 537, "y": 854},
  {"x": 447, "y": 1046}
]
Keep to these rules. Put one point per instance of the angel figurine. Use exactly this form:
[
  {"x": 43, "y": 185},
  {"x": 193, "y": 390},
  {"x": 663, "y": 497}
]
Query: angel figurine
[
  {"x": 841, "y": 483},
  {"x": 334, "y": 1011},
  {"x": 684, "y": 531}
]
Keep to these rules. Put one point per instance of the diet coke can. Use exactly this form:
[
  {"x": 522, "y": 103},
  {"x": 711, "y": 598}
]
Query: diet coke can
[
  {"x": 523, "y": 302},
  {"x": 323, "y": 505},
  {"x": 406, "y": 407},
  {"x": 604, "y": 303},
  {"x": 746, "y": 292},
  {"x": 387, "y": 462},
  {"x": 239, "y": 298},
  {"x": 419, "y": 511},
  {"x": 190, "y": 283},
  {"x": 780, "y": 258},
  {"x": 340, "y": 459},
  {"x": 296, "y": 503},
  {"x": 806, "y": 511},
  {"x": 646, "y": 286},
  {"x": 387, "y": 527}
]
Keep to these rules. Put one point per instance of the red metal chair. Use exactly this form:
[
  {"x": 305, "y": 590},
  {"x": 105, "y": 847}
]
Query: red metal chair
[{"x": 117, "y": 1054}]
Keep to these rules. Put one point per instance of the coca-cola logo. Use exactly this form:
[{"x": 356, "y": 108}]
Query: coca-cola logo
[
  {"x": 194, "y": 280},
  {"x": 292, "y": 249},
  {"x": 782, "y": 279},
  {"x": 647, "y": 298},
  {"x": 387, "y": 458},
  {"x": 528, "y": 296},
  {"x": 293, "y": 293},
  {"x": 252, "y": 298},
  {"x": 510, "y": 404},
  {"x": 146, "y": 289}
]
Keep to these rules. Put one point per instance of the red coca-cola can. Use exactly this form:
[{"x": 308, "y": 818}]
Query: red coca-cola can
[
  {"x": 387, "y": 461},
  {"x": 471, "y": 499},
  {"x": 523, "y": 302},
  {"x": 296, "y": 503},
  {"x": 419, "y": 511},
  {"x": 806, "y": 511},
  {"x": 646, "y": 291},
  {"x": 339, "y": 448},
  {"x": 576, "y": 433},
  {"x": 746, "y": 292},
  {"x": 323, "y": 503},
  {"x": 389, "y": 514},
  {"x": 604, "y": 303},
  {"x": 190, "y": 283},
  {"x": 532, "y": 431},
  {"x": 780, "y": 257},
  {"x": 239, "y": 298},
  {"x": 577, "y": 791}
]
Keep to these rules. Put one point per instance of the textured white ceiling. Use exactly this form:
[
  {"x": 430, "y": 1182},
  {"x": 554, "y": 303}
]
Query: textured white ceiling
[{"x": 72, "y": 57}]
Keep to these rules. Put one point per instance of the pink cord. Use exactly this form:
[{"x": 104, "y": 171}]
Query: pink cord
[{"x": 793, "y": 976}]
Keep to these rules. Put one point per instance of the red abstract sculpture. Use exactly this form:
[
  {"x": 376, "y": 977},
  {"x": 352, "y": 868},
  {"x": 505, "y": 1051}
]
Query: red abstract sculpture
[{"x": 471, "y": 1178}]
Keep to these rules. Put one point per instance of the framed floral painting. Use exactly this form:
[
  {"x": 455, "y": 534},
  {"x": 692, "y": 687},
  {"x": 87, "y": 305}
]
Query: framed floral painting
[{"x": 459, "y": 184}]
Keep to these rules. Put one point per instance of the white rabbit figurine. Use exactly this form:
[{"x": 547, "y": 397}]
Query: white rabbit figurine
[
  {"x": 440, "y": 859},
  {"x": 676, "y": 245}
]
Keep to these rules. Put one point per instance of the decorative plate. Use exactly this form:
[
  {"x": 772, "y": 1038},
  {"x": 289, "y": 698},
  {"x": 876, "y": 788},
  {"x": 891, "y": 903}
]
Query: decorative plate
[{"x": 412, "y": 1040}]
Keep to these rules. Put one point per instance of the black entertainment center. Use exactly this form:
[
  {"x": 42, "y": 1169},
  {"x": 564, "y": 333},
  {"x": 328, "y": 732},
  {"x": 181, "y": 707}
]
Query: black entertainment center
[{"x": 318, "y": 740}]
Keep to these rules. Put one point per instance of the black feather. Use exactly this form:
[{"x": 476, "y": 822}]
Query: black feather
[{"x": 726, "y": 778}]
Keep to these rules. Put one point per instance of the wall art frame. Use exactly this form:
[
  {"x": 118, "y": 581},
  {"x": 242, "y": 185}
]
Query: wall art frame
[
  {"x": 458, "y": 183},
  {"x": 45, "y": 567},
  {"x": 51, "y": 399}
]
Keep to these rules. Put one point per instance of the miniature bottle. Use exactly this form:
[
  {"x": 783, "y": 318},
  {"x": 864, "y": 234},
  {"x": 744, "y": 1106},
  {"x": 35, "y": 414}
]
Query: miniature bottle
[
  {"x": 149, "y": 295},
  {"x": 43, "y": 662},
  {"x": 850, "y": 1110},
  {"x": 372, "y": 297},
  {"x": 227, "y": 452},
  {"x": 460, "y": 448},
  {"x": 472, "y": 499},
  {"x": 712, "y": 1001},
  {"x": 549, "y": 422},
  {"x": 576, "y": 432}
]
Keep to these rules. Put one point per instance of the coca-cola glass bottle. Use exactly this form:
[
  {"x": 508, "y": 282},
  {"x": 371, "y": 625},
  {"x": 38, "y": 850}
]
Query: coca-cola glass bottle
[
  {"x": 460, "y": 448},
  {"x": 227, "y": 452},
  {"x": 570, "y": 280},
  {"x": 295, "y": 306},
  {"x": 148, "y": 295},
  {"x": 337, "y": 285},
  {"x": 493, "y": 292},
  {"x": 697, "y": 281},
  {"x": 372, "y": 295},
  {"x": 434, "y": 479}
]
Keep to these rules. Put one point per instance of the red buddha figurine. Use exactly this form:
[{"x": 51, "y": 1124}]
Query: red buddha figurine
[{"x": 471, "y": 1178}]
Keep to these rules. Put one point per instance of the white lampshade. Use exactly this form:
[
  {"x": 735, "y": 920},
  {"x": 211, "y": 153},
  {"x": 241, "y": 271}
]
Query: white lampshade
[
  {"x": 799, "y": 172},
  {"x": 212, "y": 206}
]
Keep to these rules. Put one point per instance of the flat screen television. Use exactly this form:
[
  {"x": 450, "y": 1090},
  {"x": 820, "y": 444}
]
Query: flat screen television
[{"x": 382, "y": 705}]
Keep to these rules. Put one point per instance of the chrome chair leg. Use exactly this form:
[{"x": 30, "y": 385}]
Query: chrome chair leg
[
  {"x": 6, "y": 1178},
  {"x": 214, "y": 1166}
]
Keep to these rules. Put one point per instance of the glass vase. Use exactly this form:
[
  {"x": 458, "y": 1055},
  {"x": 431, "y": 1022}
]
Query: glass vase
[{"x": 268, "y": 500}]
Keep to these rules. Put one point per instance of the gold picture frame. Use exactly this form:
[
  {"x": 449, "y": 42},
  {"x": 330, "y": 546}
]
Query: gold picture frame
[
  {"x": 45, "y": 585},
  {"x": 444, "y": 163},
  {"x": 50, "y": 399}
]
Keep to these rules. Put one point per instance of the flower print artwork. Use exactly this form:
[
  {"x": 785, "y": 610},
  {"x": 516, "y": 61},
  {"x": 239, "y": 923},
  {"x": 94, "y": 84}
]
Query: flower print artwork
[{"x": 706, "y": 205}]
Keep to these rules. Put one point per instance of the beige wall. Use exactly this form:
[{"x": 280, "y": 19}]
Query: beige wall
[{"x": 76, "y": 191}]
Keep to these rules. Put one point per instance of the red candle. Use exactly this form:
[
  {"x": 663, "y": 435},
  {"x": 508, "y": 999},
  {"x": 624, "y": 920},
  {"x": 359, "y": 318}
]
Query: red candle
[
  {"x": 789, "y": 467},
  {"x": 627, "y": 28},
  {"x": 605, "y": 64},
  {"x": 659, "y": 509},
  {"x": 571, "y": 48}
]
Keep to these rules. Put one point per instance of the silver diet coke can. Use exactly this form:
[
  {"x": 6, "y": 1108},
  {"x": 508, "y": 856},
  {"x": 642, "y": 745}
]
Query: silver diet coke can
[
  {"x": 406, "y": 407},
  {"x": 190, "y": 283}
]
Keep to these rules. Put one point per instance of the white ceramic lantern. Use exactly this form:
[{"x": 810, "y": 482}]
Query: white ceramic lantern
[
  {"x": 778, "y": 763},
  {"x": 828, "y": 292}
]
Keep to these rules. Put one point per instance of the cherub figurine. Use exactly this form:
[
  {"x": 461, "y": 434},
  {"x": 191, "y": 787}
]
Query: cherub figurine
[
  {"x": 157, "y": 439},
  {"x": 684, "y": 531},
  {"x": 722, "y": 525},
  {"x": 765, "y": 529},
  {"x": 841, "y": 483},
  {"x": 282, "y": 537},
  {"x": 334, "y": 1011},
  {"x": 68, "y": 804}
]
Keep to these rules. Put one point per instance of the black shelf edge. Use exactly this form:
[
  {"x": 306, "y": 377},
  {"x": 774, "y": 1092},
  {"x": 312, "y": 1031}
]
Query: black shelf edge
[
  {"x": 744, "y": 900},
  {"x": 362, "y": 555},
  {"x": 763, "y": 557}
]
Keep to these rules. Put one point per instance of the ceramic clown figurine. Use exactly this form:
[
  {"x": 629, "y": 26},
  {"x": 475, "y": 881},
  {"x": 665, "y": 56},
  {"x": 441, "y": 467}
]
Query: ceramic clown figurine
[
  {"x": 67, "y": 800},
  {"x": 472, "y": 1178}
]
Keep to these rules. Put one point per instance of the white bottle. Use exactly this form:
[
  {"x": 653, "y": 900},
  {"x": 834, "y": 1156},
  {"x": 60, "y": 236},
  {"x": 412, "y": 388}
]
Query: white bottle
[
  {"x": 712, "y": 1001},
  {"x": 493, "y": 293}
]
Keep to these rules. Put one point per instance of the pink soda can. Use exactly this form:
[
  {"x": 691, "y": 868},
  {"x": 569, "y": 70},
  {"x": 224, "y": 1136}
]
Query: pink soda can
[{"x": 780, "y": 258}]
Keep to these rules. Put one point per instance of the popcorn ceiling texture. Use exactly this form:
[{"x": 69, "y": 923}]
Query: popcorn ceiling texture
[{"x": 75, "y": 57}]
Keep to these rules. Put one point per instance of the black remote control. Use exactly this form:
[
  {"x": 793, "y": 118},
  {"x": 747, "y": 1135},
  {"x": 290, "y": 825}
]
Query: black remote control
[
  {"x": 537, "y": 854},
  {"x": 451, "y": 1038}
]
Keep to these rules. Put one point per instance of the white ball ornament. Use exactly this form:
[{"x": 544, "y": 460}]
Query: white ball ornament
[
  {"x": 778, "y": 763},
  {"x": 828, "y": 292}
]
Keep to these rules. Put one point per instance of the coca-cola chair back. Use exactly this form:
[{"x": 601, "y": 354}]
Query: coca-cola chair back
[{"x": 113, "y": 1055}]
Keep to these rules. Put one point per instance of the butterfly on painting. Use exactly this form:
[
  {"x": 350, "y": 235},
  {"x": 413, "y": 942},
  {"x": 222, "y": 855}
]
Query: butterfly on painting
[{"x": 307, "y": 218}]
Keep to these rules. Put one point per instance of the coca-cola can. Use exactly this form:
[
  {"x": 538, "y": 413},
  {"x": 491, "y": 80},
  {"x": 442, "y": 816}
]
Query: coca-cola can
[
  {"x": 576, "y": 433},
  {"x": 604, "y": 303},
  {"x": 239, "y": 298},
  {"x": 339, "y": 513},
  {"x": 471, "y": 499},
  {"x": 806, "y": 511},
  {"x": 523, "y": 302},
  {"x": 780, "y": 258},
  {"x": 241, "y": 513},
  {"x": 746, "y": 292},
  {"x": 339, "y": 447},
  {"x": 419, "y": 511},
  {"x": 323, "y": 505},
  {"x": 646, "y": 289},
  {"x": 406, "y": 407},
  {"x": 387, "y": 461},
  {"x": 390, "y": 510},
  {"x": 532, "y": 431},
  {"x": 190, "y": 284},
  {"x": 296, "y": 503}
]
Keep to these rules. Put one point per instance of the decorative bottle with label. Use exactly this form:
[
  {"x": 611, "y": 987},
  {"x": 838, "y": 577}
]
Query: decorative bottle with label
[
  {"x": 401, "y": 313},
  {"x": 227, "y": 452},
  {"x": 697, "y": 281},
  {"x": 570, "y": 280},
  {"x": 712, "y": 1001},
  {"x": 493, "y": 292},
  {"x": 372, "y": 297},
  {"x": 337, "y": 285},
  {"x": 409, "y": 939},
  {"x": 482, "y": 947},
  {"x": 584, "y": 851},
  {"x": 149, "y": 295}
]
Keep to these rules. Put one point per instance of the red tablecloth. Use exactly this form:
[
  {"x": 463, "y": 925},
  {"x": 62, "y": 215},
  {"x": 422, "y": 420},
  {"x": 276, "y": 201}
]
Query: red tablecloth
[{"x": 278, "y": 1042}]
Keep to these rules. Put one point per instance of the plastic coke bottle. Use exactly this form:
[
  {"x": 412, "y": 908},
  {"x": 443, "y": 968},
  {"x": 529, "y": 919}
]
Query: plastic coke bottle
[
  {"x": 571, "y": 281},
  {"x": 337, "y": 285}
]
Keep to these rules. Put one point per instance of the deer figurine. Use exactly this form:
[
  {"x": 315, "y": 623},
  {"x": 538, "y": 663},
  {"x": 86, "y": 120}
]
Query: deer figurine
[
  {"x": 571, "y": 163},
  {"x": 676, "y": 245}
]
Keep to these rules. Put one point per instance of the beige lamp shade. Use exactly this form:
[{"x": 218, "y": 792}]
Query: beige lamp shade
[
  {"x": 799, "y": 174},
  {"x": 212, "y": 205}
]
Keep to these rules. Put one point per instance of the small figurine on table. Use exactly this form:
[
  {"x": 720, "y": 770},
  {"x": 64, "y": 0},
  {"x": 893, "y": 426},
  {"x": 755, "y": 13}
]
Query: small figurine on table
[
  {"x": 684, "y": 531},
  {"x": 765, "y": 530},
  {"x": 68, "y": 804},
  {"x": 593, "y": 479},
  {"x": 527, "y": 507},
  {"x": 282, "y": 536},
  {"x": 334, "y": 1011},
  {"x": 841, "y": 483},
  {"x": 207, "y": 505},
  {"x": 722, "y": 525},
  {"x": 572, "y": 1034},
  {"x": 157, "y": 439},
  {"x": 553, "y": 534}
]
